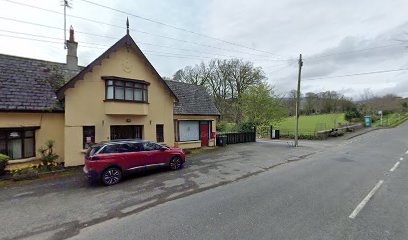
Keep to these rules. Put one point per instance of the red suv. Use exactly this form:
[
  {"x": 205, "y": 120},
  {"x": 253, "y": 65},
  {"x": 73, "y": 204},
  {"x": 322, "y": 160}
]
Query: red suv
[{"x": 109, "y": 161}]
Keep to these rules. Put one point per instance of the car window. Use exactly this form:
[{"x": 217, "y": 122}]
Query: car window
[
  {"x": 112, "y": 149},
  {"x": 124, "y": 148},
  {"x": 149, "y": 146},
  {"x": 136, "y": 147},
  {"x": 92, "y": 150}
]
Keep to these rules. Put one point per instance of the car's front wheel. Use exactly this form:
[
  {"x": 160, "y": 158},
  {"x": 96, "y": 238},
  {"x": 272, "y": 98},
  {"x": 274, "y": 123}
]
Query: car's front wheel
[
  {"x": 175, "y": 163},
  {"x": 111, "y": 176}
]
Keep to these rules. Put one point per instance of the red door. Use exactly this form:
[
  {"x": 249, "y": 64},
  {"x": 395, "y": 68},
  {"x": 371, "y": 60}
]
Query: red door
[{"x": 204, "y": 134}]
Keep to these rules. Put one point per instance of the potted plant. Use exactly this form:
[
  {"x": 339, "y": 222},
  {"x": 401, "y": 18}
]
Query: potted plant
[{"x": 3, "y": 163}]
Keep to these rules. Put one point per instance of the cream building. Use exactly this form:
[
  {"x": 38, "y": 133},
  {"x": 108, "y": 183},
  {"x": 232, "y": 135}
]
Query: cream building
[{"x": 119, "y": 95}]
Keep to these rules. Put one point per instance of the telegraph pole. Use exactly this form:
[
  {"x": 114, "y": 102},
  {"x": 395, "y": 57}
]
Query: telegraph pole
[{"x": 298, "y": 101}]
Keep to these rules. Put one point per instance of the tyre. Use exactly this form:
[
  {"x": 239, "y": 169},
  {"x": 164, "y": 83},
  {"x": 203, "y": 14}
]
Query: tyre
[
  {"x": 175, "y": 163},
  {"x": 111, "y": 176}
]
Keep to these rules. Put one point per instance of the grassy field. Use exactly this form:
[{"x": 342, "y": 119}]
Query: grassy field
[{"x": 308, "y": 125}]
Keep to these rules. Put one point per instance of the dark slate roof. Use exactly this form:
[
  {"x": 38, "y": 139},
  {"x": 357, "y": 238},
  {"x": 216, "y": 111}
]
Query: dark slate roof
[
  {"x": 30, "y": 84},
  {"x": 193, "y": 99}
]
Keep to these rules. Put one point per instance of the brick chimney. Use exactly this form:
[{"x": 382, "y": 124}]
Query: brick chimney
[{"x": 72, "y": 57}]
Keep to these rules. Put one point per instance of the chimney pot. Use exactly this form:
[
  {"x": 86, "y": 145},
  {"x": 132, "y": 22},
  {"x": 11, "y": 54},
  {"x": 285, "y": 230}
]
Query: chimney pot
[{"x": 71, "y": 34}]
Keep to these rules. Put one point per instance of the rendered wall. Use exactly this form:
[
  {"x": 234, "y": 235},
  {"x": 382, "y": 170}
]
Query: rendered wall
[
  {"x": 85, "y": 106},
  {"x": 51, "y": 128}
]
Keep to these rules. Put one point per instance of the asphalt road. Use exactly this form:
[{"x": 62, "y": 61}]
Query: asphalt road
[
  {"x": 324, "y": 196},
  {"x": 59, "y": 208}
]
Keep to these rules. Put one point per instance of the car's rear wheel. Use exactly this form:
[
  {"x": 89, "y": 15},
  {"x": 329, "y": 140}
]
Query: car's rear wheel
[
  {"x": 111, "y": 176},
  {"x": 175, "y": 163}
]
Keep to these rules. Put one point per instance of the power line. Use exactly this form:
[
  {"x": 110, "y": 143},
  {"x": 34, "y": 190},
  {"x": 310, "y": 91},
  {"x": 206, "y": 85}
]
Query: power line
[
  {"x": 175, "y": 27},
  {"x": 152, "y": 53},
  {"x": 354, "y": 51},
  {"x": 95, "y": 45},
  {"x": 134, "y": 30},
  {"x": 29, "y": 34},
  {"x": 359, "y": 74},
  {"x": 279, "y": 69},
  {"x": 54, "y": 42},
  {"x": 98, "y": 35},
  {"x": 25, "y": 38}
]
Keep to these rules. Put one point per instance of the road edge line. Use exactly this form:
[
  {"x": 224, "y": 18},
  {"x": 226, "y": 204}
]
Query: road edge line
[
  {"x": 365, "y": 200},
  {"x": 395, "y": 166}
]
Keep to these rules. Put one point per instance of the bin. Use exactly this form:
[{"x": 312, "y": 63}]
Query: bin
[
  {"x": 221, "y": 140},
  {"x": 275, "y": 134},
  {"x": 367, "y": 121}
]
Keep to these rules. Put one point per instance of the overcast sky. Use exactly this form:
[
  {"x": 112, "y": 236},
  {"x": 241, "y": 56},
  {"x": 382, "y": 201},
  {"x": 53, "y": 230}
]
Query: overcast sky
[{"x": 335, "y": 37}]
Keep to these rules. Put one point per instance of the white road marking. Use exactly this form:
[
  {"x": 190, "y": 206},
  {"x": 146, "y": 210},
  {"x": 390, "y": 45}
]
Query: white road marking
[
  {"x": 365, "y": 200},
  {"x": 395, "y": 167},
  {"x": 406, "y": 152},
  {"x": 22, "y": 194},
  {"x": 401, "y": 159}
]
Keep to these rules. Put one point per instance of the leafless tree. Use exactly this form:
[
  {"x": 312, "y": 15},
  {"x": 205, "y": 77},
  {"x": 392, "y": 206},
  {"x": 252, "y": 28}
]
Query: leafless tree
[{"x": 225, "y": 80}]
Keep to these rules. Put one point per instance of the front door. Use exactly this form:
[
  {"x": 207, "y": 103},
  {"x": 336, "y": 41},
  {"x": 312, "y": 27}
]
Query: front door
[
  {"x": 126, "y": 132},
  {"x": 204, "y": 133}
]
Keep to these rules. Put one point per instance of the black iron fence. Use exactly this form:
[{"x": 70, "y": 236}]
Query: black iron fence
[{"x": 233, "y": 138}]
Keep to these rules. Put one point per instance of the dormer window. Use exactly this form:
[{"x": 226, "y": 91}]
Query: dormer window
[{"x": 121, "y": 89}]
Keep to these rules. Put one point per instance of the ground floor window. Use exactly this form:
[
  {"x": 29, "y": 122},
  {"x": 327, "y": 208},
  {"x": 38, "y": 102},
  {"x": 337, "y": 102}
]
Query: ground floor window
[
  {"x": 17, "y": 143},
  {"x": 88, "y": 133},
  {"x": 126, "y": 132},
  {"x": 193, "y": 130},
  {"x": 159, "y": 133},
  {"x": 188, "y": 131}
]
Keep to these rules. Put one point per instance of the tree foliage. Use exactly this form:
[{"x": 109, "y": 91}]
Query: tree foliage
[{"x": 260, "y": 106}]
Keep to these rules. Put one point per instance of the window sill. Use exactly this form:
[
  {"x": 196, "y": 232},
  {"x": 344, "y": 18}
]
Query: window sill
[
  {"x": 194, "y": 141},
  {"x": 124, "y": 101},
  {"x": 23, "y": 160}
]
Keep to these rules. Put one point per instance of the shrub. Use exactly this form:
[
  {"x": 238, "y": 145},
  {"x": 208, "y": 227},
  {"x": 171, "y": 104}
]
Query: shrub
[
  {"x": 4, "y": 159},
  {"x": 246, "y": 127},
  {"x": 47, "y": 155},
  {"x": 3, "y": 163},
  {"x": 354, "y": 114},
  {"x": 221, "y": 127}
]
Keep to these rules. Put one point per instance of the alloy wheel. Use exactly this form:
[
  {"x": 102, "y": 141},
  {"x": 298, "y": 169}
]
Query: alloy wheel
[
  {"x": 111, "y": 176},
  {"x": 175, "y": 163}
]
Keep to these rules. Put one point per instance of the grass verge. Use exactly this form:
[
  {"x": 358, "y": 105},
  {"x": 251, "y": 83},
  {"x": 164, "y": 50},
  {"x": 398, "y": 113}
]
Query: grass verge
[
  {"x": 199, "y": 151},
  {"x": 8, "y": 183}
]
